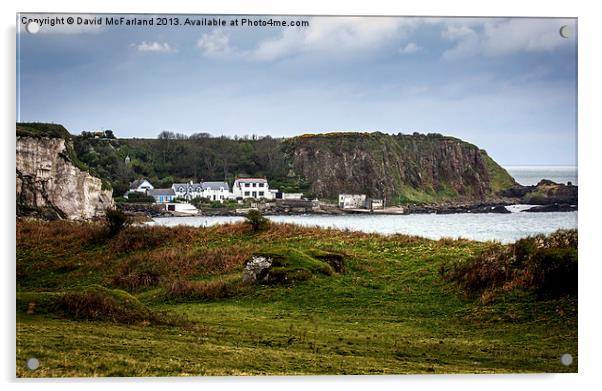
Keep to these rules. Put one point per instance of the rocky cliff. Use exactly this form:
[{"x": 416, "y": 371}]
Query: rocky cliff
[
  {"x": 49, "y": 181},
  {"x": 403, "y": 168}
]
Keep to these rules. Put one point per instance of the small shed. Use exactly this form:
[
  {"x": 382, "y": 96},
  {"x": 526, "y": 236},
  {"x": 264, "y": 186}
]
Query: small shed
[{"x": 352, "y": 201}]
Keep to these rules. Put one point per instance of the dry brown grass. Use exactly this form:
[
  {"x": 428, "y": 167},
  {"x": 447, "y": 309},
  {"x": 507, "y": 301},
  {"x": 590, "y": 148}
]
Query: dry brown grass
[
  {"x": 57, "y": 235},
  {"x": 150, "y": 237},
  {"x": 202, "y": 290},
  {"x": 154, "y": 268}
]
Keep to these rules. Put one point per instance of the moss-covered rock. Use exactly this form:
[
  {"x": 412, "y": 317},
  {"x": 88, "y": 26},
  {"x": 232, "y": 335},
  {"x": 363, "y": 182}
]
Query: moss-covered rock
[{"x": 283, "y": 265}]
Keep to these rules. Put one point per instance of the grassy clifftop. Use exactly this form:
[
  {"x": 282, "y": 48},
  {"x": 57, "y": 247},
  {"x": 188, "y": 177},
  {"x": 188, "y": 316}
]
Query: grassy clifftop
[{"x": 40, "y": 129}]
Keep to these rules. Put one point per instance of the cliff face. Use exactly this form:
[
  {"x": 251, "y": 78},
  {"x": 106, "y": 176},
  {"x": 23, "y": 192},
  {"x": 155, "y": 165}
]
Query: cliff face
[
  {"x": 405, "y": 168},
  {"x": 48, "y": 180}
]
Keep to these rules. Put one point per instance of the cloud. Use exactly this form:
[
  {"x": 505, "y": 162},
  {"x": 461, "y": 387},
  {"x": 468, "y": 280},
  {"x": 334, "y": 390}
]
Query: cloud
[
  {"x": 328, "y": 35},
  {"x": 498, "y": 37},
  {"x": 410, "y": 48},
  {"x": 154, "y": 46},
  {"x": 215, "y": 44}
]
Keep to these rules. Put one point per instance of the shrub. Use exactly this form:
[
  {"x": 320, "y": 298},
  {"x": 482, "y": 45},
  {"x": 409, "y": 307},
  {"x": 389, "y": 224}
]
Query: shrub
[
  {"x": 136, "y": 197},
  {"x": 553, "y": 271},
  {"x": 545, "y": 264},
  {"x": 116, "y": 220},
  {"x": 256, "y": 220}
]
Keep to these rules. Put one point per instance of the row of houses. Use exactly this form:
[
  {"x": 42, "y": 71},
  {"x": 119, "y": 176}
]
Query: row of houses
[{"x": 243, "y": 188}]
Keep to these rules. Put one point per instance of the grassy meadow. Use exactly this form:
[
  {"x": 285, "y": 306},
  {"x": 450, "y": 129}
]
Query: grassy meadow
[{"x": 158, "y": 301}]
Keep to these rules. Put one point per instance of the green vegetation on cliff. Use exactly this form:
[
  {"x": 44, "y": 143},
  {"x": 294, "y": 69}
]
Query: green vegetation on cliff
[
  {"x": 394, "y": 308},
  {"x": 401, "y": 168},
  {"x": 40, "y": 129}
]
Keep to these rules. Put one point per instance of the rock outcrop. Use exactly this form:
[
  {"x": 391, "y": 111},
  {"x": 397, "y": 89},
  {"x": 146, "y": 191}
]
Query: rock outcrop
[
  {"x": 546, "y": 192},
  {"x": 402, "y": 168},
  {"x": 49, "y": 183}
]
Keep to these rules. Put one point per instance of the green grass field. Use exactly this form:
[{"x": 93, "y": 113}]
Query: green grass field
[{"x": 389, "y": 312}]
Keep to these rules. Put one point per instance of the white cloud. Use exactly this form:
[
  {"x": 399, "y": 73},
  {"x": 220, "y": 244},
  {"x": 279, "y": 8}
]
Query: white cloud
[
  {"x": 410, "y": 48},
  {"x": 497, "y": 37},
  {"x": 328, "y": 35},
  {"x": 215, "y": 44},
  {"x": 154, "y": 46}
]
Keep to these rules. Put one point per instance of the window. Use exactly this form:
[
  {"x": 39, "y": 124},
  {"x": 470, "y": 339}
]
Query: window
[
  {"x": 254, "y": 184},
  {"x": 247, "y": 193},
  {"x": 261, "y": 185},
  {"x": 254, "y": 194},
  {"x": 261, "y": 193},
  {"x": 247, "y": 184}
]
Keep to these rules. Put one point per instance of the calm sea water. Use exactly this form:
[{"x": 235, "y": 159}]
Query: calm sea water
[
  {"x": 530, "y": 175},
  {"x": 505, "y": 228}
]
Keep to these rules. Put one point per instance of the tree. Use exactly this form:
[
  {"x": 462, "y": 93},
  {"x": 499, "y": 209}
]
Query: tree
[
  {"x": 256, "y": 220},
  {"x": 115, "y": 221}
]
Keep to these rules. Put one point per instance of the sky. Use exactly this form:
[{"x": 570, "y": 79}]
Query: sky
[{"x": 508, "y": 85}]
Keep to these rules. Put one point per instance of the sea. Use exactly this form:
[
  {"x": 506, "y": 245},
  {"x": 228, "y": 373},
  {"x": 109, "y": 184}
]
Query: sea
[
  {"x": 503, "y": 228},
  {"x": 530, "y": 175}
]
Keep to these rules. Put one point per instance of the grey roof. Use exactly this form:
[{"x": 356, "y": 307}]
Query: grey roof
[
  {"x": 161, "y": 192},
  {"x": 215, "y": 185},
  {"x": 252, "y": 180},
  {"x": 203, "y": 185},
  {"x": 136, "y": 183}
]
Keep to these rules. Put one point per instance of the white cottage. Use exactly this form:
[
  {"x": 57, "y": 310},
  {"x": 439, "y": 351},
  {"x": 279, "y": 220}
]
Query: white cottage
[
  {"x": 141, "y": 186},
  {"x": 251, "y": 188}
]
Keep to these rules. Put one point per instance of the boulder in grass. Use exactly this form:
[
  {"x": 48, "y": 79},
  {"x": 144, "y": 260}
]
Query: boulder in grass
[{"x": 256, "y": 269}]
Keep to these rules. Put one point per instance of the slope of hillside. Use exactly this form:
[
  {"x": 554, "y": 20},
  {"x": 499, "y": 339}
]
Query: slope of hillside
[{"x": 403, "y": 168}]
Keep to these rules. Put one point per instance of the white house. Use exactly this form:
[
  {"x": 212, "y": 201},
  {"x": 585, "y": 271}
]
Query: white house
[
  {"x": 352, "y": 201},
  {"x": 214, "y": 191},
  {"x": 251, "y": 188},
  {"x": 141, "y": 186}
]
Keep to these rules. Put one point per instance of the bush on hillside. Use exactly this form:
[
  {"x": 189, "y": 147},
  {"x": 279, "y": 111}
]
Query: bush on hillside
[
  {"x": 545, "y": 264},
  {"x": 256, "y": 220},
  {"x": 115, "y": 221}
]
